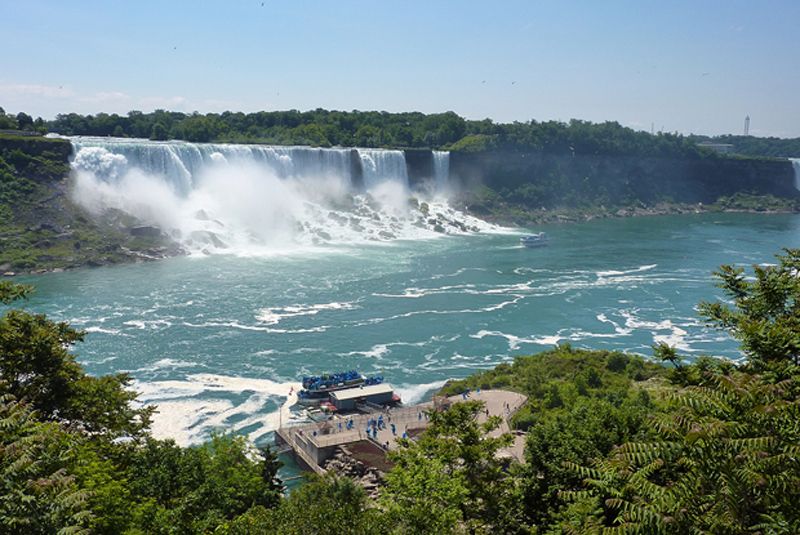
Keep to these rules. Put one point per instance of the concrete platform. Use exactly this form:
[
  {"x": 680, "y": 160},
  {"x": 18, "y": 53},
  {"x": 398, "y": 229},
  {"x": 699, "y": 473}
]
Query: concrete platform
[{"x": 313, "y": 443}]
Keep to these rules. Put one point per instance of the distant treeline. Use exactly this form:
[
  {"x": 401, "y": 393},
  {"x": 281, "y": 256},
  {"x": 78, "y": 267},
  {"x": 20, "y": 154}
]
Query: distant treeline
[
  {"x": 775, "y": 147},
  {"x": 323, "y": 128},
  {"x": 379, "y": 129}
]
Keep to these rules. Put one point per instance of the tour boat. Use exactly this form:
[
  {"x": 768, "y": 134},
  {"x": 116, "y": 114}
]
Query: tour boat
[
  {"x": 317, "y": 388},
  {"x": 534, "y": 240}
]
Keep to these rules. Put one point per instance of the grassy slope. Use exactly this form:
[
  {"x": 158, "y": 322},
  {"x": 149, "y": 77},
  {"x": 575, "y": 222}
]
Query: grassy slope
[{"x": 556, "y": 380}]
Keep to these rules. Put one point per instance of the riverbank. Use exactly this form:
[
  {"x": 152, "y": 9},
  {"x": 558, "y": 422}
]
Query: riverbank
[
  {"x": 151, "y": 245},
  {"x": 509, "y": 214}
]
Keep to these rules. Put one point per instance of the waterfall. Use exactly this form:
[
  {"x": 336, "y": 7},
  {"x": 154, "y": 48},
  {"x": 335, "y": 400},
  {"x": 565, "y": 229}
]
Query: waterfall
[
  {"x": 441, "y": 170},
  {"x": 214, "y": 198},
  {"x": 796, "y": 166},
  {"x": 180, "y": 162},
  {"x": 382, "y": 166}
]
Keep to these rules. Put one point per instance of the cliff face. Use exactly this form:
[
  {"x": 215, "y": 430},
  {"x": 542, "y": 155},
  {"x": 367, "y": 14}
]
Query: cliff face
[
  {"x": 541, "y": 180},
  {"x": 41, "y": 229},
  {"x": 55, "y": 149},
  {"x": 420, "y": 165}
]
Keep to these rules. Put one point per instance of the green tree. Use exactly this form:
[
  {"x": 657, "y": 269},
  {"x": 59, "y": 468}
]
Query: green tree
[
  {"x": 158, "y": 133},
  {"x": 38, "y": 495},
  {"x": 726, "y": 460},
  {"x": 478, "y": 482},
  {"x": 24, "y": 121},
  {"x": 37, "y": 368},
  {"x": 423, "y": 495},
  {"x": 196, "y": 490},
  {"x": 327, "y": 505},
  {"x": 765, "y": 312},
  {"x": 726, "y": 456}
]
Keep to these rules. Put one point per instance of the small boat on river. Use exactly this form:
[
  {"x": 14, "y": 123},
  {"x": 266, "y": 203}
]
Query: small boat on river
[{"x": 539, "y": 239}]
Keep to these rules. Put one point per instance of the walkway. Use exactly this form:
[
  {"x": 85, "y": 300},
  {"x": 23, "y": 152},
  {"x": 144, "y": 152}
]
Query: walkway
[{"x": 309, "y": 438}]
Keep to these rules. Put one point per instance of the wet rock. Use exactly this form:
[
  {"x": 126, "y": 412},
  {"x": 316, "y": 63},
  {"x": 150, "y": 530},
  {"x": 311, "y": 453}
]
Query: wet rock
[
  {"x": 342, "y": 220},
  {"x": 206, "y": 236},
  {"x": 145, "y": 231}
]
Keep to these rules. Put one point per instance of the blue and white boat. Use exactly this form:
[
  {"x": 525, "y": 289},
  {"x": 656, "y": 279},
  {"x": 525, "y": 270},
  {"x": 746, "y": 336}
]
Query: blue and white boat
[
  {"x": 539, "y": 239},
  {"x": 317, "y": 389}
]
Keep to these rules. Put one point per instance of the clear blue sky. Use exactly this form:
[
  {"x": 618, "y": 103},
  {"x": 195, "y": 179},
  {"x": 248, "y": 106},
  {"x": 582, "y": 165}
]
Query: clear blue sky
[{"x": 687, "y": 66}]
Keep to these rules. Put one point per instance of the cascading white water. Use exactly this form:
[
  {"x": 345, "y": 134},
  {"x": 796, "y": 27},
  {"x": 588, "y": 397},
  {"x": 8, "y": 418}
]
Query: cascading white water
[
  {"x": 441, "y": 170},
  {"x": 178, "y": 161},
  {"x": 250, "y": 199},
  {"x": 383, "y": 166},
  {"x": 796, "y": 166}
]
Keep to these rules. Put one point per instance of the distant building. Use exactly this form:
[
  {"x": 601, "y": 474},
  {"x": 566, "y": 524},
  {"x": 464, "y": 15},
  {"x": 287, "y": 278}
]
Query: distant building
[{"x": 723, "y": 148}]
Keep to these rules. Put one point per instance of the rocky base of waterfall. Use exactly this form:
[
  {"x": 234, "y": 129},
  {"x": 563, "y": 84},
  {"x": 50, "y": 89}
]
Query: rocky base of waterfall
[{"x": 344, "y": 463}]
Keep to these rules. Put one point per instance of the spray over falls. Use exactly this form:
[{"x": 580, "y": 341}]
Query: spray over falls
[{"x": 249, "y": 199}]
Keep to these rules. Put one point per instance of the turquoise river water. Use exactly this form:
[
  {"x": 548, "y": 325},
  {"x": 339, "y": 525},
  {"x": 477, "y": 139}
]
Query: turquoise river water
[{"x": 217, "y": 341}]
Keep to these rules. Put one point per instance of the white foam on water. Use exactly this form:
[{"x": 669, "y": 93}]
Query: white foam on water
[
  {"x": 414, "y": 393},
  {"x": 103, "y": 330},
  {"x": 491, "y": 308},
  {"x": 272, "y": 316},
  {"x": 243, "y": 327},
  {"x": 514, "y": 342},
  {"x": 614, "y": 273},
  {"x": 674, "y": 336},
  {"x": 166, "y": 363},
  {"x": 189, "y": 411},
  {"x": 148, "y": 324},
  {"x": 376, "y": 352}
]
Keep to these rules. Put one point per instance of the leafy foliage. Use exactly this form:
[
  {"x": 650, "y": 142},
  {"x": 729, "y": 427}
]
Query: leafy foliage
[
  {"x": 37, "y": 494},
  {"x": 325, "y": 505},
  {"x": 10, "y": 292},
  {"x": 380, "y": 129},
  {"x": 725, "y": 461},
  {"x": 194, "y": 490},
  {"x": 37, "y": 368},
  {"x": 451, "y": 475},
  {"x": 773, "y": 147},
  {"x": 725, "y": 455},
  {"x": 765, "y": 311}
]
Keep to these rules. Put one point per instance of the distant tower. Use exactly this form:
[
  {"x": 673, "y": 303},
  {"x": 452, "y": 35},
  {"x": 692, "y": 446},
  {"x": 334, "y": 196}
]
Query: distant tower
[{"x": 747, "y": 125}]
